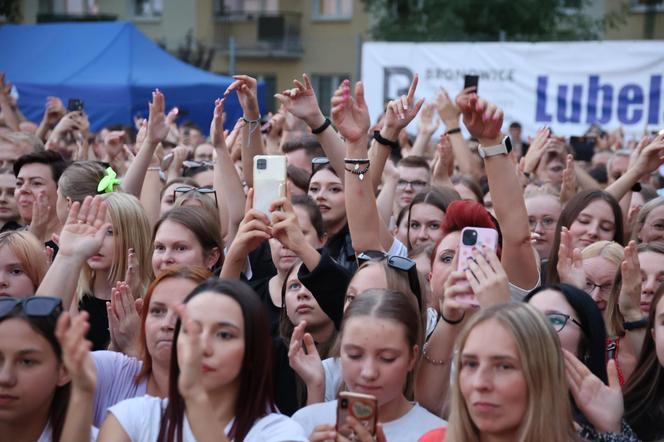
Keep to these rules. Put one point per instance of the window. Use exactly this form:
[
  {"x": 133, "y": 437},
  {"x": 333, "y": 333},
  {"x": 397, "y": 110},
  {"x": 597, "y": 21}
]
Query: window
[
  {"x": 270, "y": 89},
  {"x": 646, "y": 5},
  {"x": 324, "y": 87},
  {"x": 226, "y": 7},
  {"x": 333, "y": 9},
  {"x": 148, "y": 8}
]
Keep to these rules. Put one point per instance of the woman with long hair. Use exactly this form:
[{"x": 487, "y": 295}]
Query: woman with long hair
[
  {"x": 220, "y": 376},
  {"x": 23, "y": 263}
]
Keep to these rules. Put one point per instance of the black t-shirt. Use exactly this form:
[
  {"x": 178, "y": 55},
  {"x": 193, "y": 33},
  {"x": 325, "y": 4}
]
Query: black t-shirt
[
  {"x": 262, "y": 288},
  {"x": 98, "y": 333}
]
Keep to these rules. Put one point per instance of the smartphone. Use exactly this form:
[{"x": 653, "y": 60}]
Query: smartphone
[
  {"x": 362, "y": 407},
  {"x": 471, "y": 81},
  {"x": 75, "y": 105},
  {"x": 269, "y": 180},
  {"x": 473, "y": 237},
  {"x": 583, "y": 147}
]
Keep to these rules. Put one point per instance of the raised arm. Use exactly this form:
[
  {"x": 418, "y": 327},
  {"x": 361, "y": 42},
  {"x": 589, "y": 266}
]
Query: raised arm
[
  {"x": 484, "y": 121},
  {"x": 52, "y": 114},
  {"x": 227, "y": 182},
  {"x": 398, "y": 115},
  {"x": 649, "y": 158},
  {"x": 247, "y": 88},
  {"x": 427, "y": 126},
  {"x": 8, "y": 114},
  {"x": 301, "y": 102},
  {"x": 80, "y": 238},
  {"x": 157, "y": 129}
]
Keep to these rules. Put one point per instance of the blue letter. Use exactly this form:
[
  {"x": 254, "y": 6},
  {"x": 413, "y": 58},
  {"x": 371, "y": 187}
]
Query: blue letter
[
  {"x": 607, "y": 97},
  {"x": 630, "y": 94},
  {"x": 540, "y": 114},
  {"x": 575, "y": 104},
  {"x": 655, "y": 93}
]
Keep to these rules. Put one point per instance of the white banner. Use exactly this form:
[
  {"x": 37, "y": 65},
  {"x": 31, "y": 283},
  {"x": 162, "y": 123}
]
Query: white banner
[{"x": 567, "y": 86}]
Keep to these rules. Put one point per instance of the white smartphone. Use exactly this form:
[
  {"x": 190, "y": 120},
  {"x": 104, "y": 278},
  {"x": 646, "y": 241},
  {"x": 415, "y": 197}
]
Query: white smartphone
[{"x": 269, "y": 180}]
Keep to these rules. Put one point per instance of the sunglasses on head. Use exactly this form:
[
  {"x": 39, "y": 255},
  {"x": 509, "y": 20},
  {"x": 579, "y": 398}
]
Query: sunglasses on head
[
  {"x": 182, "y": 190},
  {"x": 396, "y": 262},
  {"x": 317, "y": 163},
  {"x": 35, "y": 306}
]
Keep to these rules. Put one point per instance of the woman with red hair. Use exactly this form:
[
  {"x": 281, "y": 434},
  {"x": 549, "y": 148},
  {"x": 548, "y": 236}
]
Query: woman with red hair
[{"x": 491, "y": 277}]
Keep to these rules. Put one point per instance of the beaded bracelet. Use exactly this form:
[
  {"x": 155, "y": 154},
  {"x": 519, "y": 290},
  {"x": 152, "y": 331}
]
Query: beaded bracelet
[
  {"x": 425, "y": 355},
  {"x": 357, "y": 171}
]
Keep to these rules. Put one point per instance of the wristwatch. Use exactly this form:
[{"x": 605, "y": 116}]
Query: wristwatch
[{"x": 499, "y": 149}]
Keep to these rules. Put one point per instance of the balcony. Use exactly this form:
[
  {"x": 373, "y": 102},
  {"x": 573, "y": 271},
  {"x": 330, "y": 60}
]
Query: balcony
[{"x": 260, "y": 35}]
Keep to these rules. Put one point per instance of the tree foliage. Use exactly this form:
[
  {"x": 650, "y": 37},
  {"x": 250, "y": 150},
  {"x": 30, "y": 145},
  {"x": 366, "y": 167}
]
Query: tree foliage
[{"x": 486, "y": 20}]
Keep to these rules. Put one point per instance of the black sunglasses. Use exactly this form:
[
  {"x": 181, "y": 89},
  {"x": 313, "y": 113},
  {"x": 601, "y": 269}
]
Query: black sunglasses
[
  {"x": 396, "y": 262},
  {"x": 37, "y": 306},
  {"x": 317, "y": 163},
  {"x": 182, "y": 190}
]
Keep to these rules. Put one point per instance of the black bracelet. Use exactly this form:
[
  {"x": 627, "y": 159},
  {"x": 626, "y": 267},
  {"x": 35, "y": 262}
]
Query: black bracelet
[
  {"x": 356, "y": 160},
  {"x": 356, "y": 170},
  {"x": 458, "y": 321},
  {"x": 636, "y": 187},
  {"x": 385, "y": 142},
  {"x": 454, "y": 130},
  {"x": 635, "y": 325},
  {"x": 322, "y": 127}
]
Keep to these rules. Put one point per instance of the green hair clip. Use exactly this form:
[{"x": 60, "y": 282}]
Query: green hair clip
[{"x": 110, "y": 179}]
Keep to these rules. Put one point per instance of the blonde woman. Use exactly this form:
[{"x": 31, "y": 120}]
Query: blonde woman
[
  {"x": 649, "y": 225},
  {"x": 513, "y": 389},
  {"x": 23, "y": 264}
]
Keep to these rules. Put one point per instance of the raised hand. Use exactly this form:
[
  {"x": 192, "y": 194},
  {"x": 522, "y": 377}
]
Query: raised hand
[
  {"x": 157, "y": 128},
  {"x": 247, "y": 90},
  {"x": 482, "y": 119},
  {"x": 40, "y": 216},
  {"x": 189, "y": 382},
  {"x": 400, "y": 112},
  {"x": 629, "y": 299},
  {"x": 114, "y": 142},
  {"x": 428, "y": 122},
  {"x": 54, "y": 111},
  {"x": 307, "y": 365},
  {"x": 570, "y": 263},
  {"x": 301, "y": 101},
  {"x": 85, "y": 228},
  {"x": 254, "y": 228},
  {"x": 70, "y": 332},
  {"x": 447, "y": 109},
  {"x": 350, "y": 115},
  {"x": 602, "y": 405},
  {"x": 456, "y": 293},
  {"x": 487, "y": 278},
  {"x": 217, "y": 126},
  {"x": 537, "y": 147},
  {"x": 285, "y": 226},
  {"x": 568, "y": 187},
  {"x": 124, "y": 320},
  {"x": 651, "y": 157},
  {"x": 443, "y": 158}
]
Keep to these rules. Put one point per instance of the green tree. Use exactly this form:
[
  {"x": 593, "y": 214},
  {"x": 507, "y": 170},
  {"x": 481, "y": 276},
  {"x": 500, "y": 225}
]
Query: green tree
[{"x": 487, "y": 20}]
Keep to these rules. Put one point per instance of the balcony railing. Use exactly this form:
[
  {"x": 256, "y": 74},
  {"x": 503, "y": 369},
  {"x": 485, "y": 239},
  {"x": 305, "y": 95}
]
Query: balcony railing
[{"x": 261, "y": 35}]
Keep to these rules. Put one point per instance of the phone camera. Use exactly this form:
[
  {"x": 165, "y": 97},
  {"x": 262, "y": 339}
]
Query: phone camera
[
  {"x": 261, "y": 164},
  {"x": 344, "y": 403},
  {"x": 469, "y": 237}
]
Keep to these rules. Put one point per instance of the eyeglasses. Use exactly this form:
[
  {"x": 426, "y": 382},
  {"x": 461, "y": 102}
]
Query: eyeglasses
[
  {"x": 182, "y": 190},
  {"x": 604, "y": 289},
  {"x": 416, "y": 185},
  {"x": 396, "y": 262},
  {"x": 546, "y": 222},
  {"x": 559, "y": 320},
  {"x": 317, "y": 163},
  {"x": 37, "y": 306}
]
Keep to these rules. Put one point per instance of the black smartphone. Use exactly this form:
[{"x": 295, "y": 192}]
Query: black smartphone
[
  {"x": 75, "y": 105},
  {"x": 583, "y": 147},
  {"x": 471, "y": 81}
]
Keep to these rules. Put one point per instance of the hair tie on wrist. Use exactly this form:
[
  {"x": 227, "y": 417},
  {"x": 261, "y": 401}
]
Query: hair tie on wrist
[{"x": 109, "y": 180}]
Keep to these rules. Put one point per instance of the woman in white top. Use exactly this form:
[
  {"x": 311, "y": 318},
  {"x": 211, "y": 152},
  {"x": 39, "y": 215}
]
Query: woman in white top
[
  {"x": 379, "y": 344},
  {"x": 220, "y": 377}
]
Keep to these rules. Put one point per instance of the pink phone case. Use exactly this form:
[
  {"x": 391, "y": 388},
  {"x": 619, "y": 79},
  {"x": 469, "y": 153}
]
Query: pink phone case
[{"x": 482, "y": 237}]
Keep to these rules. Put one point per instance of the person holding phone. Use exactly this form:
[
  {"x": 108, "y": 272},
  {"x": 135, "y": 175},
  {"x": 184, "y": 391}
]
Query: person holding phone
[{"x": 379, "y": 350}]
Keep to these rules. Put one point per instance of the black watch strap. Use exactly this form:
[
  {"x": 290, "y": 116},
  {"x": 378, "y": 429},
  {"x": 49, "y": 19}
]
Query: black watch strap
[
  {"x": 322, "y": 127},
  {"x": 385, "y": 142},
  {"x": 635, "y": 325}
]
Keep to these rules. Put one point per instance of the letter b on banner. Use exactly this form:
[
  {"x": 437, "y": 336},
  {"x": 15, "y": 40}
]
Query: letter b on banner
[{"x": 396, "y": 81}]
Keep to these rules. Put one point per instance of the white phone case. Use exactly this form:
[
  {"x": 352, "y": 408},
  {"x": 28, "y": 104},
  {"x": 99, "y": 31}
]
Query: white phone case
[{"x": 269, "y": 181}]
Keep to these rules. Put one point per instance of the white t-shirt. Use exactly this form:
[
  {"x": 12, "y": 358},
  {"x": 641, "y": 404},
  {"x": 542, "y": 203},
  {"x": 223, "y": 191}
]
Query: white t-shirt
[
  {"x": 47, "y": 434},
  {"x": 409, "y": 427},
  {"x": 333, "y": 377},
  {"x": 141, "y": 418}
]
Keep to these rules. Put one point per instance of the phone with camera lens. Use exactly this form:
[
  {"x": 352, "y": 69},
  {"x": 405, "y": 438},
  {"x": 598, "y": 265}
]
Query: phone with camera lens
[
  {"x": 362, "y": 407},
  {"x": 75, "y": 105},
  {"x": 269, "y": 180},
  {"x": 473, "y": 238}
]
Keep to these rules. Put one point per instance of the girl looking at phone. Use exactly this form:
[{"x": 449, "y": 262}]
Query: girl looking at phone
[{"x": 379, "y": 349}]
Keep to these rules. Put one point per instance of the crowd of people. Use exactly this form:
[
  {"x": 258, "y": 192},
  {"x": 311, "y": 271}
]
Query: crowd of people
[{"x": 144, "y": 298}]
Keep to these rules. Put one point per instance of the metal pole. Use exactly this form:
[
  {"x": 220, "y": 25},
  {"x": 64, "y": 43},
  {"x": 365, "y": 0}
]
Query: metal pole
[{"x": 231, "y": 56}]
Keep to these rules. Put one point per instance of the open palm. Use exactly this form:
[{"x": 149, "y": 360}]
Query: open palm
[
  {"x": 83, "y": 233},
  {"x": 350, "y": 116}
]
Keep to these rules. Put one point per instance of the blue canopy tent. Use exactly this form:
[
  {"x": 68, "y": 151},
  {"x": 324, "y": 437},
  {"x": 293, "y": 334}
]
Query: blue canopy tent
[{"x": 112, "y": 67}]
